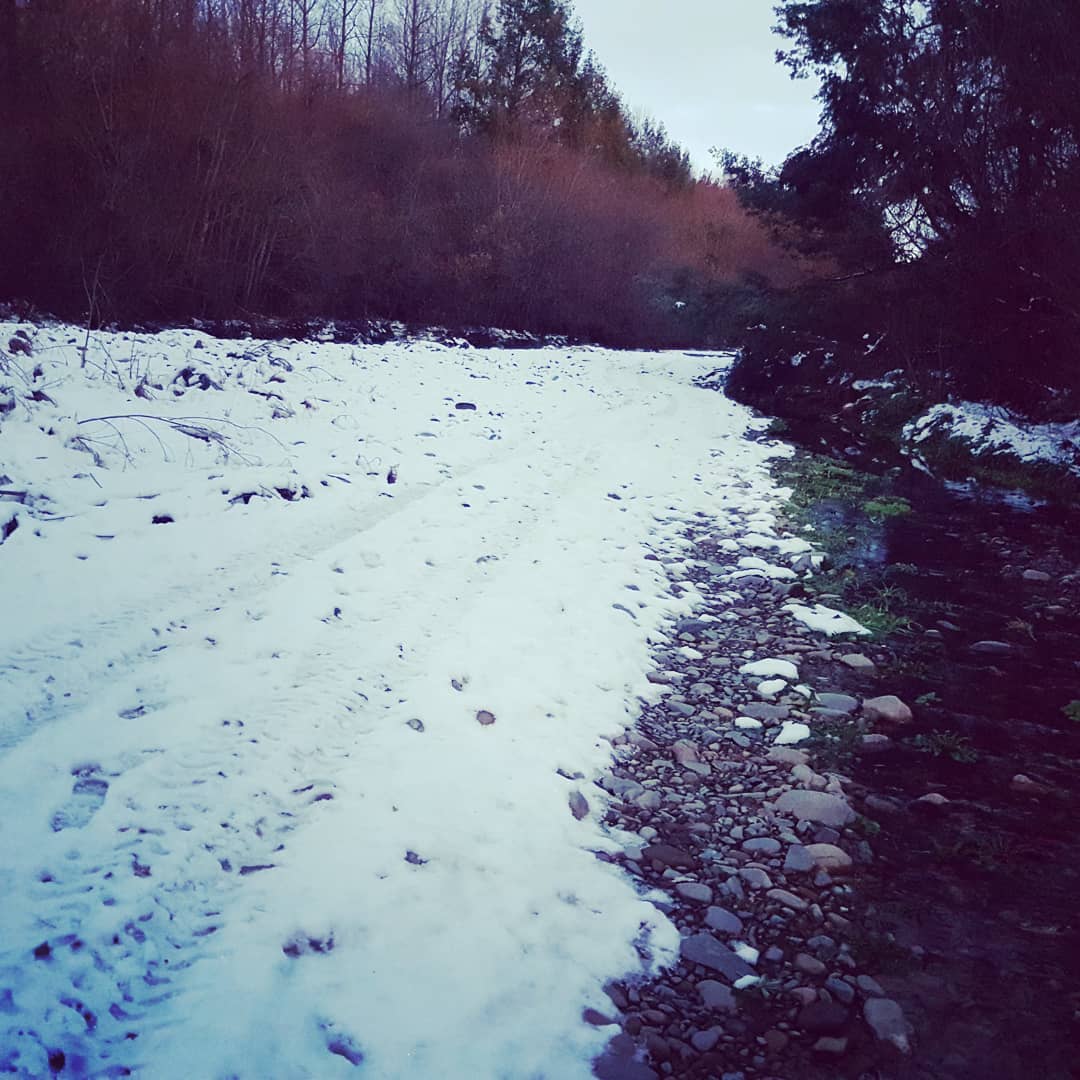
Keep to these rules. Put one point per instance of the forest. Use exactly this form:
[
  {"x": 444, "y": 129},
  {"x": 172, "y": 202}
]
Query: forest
[{"x": 431, "y": 161}]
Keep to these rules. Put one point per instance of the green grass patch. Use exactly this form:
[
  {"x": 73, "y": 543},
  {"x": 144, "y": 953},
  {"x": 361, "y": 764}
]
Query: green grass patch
[{"x": 880, "y": 509}]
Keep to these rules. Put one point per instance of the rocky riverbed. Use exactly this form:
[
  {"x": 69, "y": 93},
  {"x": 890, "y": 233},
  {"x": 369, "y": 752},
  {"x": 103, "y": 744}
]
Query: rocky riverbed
[{"x": 793, "y": 804}]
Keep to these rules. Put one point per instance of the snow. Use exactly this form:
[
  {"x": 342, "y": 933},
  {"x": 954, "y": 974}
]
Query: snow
[
  {"x": 990, "y": 430},
  {"x": 252, "y": 821},
  {"x": 770, "y": 688},
  {"x": 791, "y": 732},
  {"x": 783, "y": 669},
  {"x": 825, "y": 619}
]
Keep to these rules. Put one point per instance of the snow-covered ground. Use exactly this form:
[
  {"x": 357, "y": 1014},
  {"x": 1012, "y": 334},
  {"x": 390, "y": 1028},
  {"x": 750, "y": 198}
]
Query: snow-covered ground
[
  {"x": 986, "y": 429},
  {"x": 255, "y": 817}
]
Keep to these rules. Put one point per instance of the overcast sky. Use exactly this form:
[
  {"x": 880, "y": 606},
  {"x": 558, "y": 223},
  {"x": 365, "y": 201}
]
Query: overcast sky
[{"x": 706, "y": 69}]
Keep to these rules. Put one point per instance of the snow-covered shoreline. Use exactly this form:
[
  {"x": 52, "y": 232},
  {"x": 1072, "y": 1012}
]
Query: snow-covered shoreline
[{"x": 250, "y": 810}]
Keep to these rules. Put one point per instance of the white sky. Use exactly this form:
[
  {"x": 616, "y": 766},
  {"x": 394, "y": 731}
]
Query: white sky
[{"x": 706, "y": 69}]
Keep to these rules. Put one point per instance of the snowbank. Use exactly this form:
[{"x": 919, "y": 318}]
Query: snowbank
[{"x": 257, "y": 597}]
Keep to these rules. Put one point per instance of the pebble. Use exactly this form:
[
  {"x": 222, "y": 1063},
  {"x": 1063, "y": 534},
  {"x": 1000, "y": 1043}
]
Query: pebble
[
  {"x": 706, "y": 1040},
  {"x": 809, "y": 965},
  {"x": 823, "y": 1018},
  {"x": 695, "y": 891},
  {"x": 816, "y": 806},
  {"x": 841, "y": 703},
  {"x": 789, "y": 900},
  {"x": 798, "y": 860},
  {"x": 715, "y": 995},
  {"x": 829, "y": 1044},
  {"x": 707, "y": 951},
  {"x": 722, "y": 920},
  {"x": 858, "y": 662},
  {"x": 887, "y": 709},
  {"x": 755, "y": 877},
  {"x": 762, "y": 845},
  {"x": 886, "y": 1020},
  {"x": 829, "y": 857},
  {"x": 579, "y": 805}
]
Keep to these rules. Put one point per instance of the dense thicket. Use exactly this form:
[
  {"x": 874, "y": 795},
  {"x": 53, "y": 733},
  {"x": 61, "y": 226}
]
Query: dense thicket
[
  {"x": 945, "y": 185},
  {"x": 417, "y": 159}
]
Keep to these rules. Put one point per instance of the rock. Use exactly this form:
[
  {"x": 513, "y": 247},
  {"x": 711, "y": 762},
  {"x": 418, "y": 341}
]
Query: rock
[
  {"x": 761, "y": 845},
  {"x": 704, "y": 1041},
  {"x": 797, "y": 860},
  {"x": 788, "y": 899},
  {"x": 755, "y": 877},
  {"x": 809, "y": 965},
  {"x": 829, "y": 857},
  {"x": 887, "y": 709},
  {"x": 874, "y": 743},
  {"x": 784, "y": 755},
  {"x": 579, "y": 805},
  {"x": 823, "y": 1018},
  {"x": 817, "y": 806},
  {"x": 620, "y": 1062},
  {"x": 775, "y": 1041},
  {"x": 842, "y": 703},
  {"x": 722, "y": 920},
  {"x": 767, "y": 714},
  {"x": 932, "y": 799},
  {"x": 843, "y": 991},
  {"x": 667, "y": 855},
  {"x": 484, "y": 717},
  {"x": 831, "y": 1044},
  {"x": 1036, "y": 576},
  {"x": 870, "y": 987},
  {"x": 803, "y": 774},
  {"x": 858, "y": 662},
  {"x": 886, "y": 1020},
  {"x": 715, "y": 995},
  {"x": 649, "y": 800},
  {"x": 1024, "y": 785},
  {"x": 992, "y": 648},
  {"x": 596, "y": 1018},
  {"x": 684, "y": 751},
  {"x": 747, "y": 723},
  {"x": 695, "y": 891},
  {"x": 705, "y": 950}
]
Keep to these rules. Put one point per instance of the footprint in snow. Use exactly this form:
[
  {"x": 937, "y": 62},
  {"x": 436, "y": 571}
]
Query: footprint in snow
[{"x": 87, "y": 795}]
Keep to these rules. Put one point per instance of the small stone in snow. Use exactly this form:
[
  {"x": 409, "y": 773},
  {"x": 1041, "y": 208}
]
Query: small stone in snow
[
  {"x": 579, "y": 805},
  {"x": 484, "y": 717}
]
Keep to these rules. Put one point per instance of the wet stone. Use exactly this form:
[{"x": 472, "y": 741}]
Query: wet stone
[{"x": 707, "y": 951}]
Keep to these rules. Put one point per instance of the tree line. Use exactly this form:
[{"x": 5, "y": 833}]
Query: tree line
[
  {"x": 442, "y": 161},
  {"x": 944, "y": 187}
]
